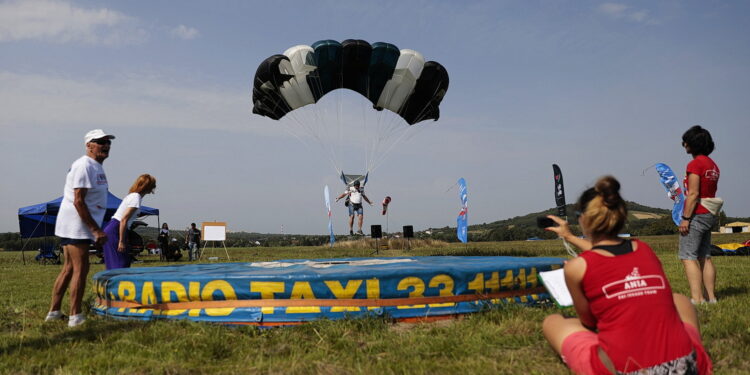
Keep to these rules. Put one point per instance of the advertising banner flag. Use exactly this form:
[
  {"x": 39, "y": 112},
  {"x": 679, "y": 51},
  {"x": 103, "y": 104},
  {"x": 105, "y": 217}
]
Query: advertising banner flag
[
  {"x": 463, "y": 216},
  {"x": 327, "y": 196},
  {"x": 559, "y": 192}
]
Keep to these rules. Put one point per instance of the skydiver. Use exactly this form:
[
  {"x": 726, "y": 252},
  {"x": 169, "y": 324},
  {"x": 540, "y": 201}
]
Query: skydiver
[{"x": 354, "y": 196}]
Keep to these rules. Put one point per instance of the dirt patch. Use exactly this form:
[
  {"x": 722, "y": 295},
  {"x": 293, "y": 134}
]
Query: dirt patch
[
  {"x": 403, "y": 327},
  {"x": 646, "y": 215}
]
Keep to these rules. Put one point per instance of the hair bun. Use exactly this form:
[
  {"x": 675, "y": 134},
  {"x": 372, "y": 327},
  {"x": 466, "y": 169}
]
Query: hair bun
[{"x": 609, "y": 189}]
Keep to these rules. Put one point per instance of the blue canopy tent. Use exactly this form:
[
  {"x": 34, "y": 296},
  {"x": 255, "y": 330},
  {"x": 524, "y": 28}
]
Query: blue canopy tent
[{"x": 38, "y": 220}]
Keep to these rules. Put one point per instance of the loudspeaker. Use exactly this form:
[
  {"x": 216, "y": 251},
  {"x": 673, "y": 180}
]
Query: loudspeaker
[
  {"x": 408, "y": 231},
  {"x": 376, "y": 231}
]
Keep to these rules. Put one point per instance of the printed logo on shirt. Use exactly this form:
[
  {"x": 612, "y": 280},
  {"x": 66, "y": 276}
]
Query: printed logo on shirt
[
  {"x": 101, "y": 179},
  {"x": 634, "y": 285},
  {"x": 712, "y": 174}
]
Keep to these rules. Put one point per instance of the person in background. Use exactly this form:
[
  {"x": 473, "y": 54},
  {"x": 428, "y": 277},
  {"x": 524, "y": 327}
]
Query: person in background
[
  {"x": 193, "y": 240},
  {"x": 699, "y": 215},
  {"x": 354, "y": 195},
  {"x": 78, "y": 224},
  {"x": 163, "y": 240},
  {"x": 629, "y": 321},
  {"x": 173, "y": 253},
  {"x": 116, "y": 249}
]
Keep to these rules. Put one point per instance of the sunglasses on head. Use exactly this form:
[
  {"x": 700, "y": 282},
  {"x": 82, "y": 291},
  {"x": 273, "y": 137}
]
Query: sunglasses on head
[{"x": 102, "y": 141}]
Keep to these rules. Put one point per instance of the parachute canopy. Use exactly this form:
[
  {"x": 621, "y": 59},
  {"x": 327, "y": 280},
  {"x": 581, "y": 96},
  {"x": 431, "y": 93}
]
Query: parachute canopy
[{"x": 397, "y": 80}]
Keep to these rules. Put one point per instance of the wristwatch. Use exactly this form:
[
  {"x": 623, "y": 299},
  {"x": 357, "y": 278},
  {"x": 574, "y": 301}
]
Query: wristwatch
[{"x": 686, "y": 218}]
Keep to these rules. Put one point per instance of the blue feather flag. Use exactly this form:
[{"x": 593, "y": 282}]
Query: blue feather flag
[
  {"x": 463, "y": 216},
  {"x": 669, "y": 180},
  {"x": 327, "y": 196}
]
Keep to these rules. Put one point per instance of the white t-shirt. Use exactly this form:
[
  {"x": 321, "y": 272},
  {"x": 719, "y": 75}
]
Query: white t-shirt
[
  {"x": 130, "y": 200},
  {"x": 355, "y": 196},
  {"x": 85, "y": 173}
]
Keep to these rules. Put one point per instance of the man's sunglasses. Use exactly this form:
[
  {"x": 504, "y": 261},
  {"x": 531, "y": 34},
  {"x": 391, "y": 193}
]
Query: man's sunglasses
[{"x": 102, "y": 141}]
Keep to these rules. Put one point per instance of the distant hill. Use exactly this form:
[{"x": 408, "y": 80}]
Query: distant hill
[
  {"x": 642, "y": 220},
  {"x": 635, "y": 212}
]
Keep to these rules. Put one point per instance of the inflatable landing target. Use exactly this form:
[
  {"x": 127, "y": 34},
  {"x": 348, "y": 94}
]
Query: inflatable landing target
[{"x": 294, "y": 291}]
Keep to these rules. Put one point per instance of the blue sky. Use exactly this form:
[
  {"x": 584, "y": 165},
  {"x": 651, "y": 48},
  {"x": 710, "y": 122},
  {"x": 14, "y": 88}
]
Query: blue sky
[{"x": 596, "y": 87}]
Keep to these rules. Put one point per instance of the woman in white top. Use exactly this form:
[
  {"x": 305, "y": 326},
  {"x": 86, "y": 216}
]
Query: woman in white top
[{"x": 115, "y": 249}]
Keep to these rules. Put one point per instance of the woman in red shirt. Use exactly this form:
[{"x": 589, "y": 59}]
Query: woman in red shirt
[
  {"x": 628, "y": 318},
  {"x": 699, "y": 214}
]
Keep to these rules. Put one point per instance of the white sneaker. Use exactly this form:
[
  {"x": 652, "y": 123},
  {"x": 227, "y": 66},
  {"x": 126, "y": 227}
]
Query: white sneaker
[
  {"x": 76, "y": 320},
  {"x": 54, "y": 315}
]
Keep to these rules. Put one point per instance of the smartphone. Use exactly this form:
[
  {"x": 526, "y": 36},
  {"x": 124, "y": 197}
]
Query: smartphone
[{"x": 544, "y": 222}]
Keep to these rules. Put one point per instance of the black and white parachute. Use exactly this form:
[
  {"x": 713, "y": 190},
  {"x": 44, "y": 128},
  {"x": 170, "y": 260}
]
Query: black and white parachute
[
  {"x": 302, "y": 88},
  {"x": 397, "y": 80}
]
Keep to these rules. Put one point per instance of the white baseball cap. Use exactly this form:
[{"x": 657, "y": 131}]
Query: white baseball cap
[{"x": 97, "y": 134}]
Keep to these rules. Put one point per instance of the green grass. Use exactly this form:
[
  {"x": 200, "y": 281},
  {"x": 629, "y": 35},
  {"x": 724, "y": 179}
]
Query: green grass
[{"x": 505, "y": 341}]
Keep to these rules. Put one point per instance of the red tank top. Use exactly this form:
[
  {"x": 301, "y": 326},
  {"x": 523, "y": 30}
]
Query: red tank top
[
  {"x": 709, "y": 173},
  {"x": 631, "y": 299}
]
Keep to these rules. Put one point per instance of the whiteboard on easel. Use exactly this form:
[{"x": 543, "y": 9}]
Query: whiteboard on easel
[{"x": 214, "y": 231}]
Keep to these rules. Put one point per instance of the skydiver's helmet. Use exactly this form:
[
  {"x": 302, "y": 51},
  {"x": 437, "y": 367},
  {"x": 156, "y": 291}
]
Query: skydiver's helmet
[{"x": 356, "y": 183}]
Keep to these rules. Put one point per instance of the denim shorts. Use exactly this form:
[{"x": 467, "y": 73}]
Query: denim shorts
[
  {"x": 75, "y": 241},
  {"x": 355, "y": 208},
  {"x": 697, "y": 243}
]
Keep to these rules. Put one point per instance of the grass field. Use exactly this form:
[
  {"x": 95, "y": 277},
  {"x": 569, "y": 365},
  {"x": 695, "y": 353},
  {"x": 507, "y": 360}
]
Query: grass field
[{"x": 505, "y": 341}]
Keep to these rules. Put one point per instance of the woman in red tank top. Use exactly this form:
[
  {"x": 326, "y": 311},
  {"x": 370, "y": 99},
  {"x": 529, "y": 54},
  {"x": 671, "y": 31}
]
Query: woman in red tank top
[
  {"x": 701, "y": 182},
  {"x": 628, "y": 319}
]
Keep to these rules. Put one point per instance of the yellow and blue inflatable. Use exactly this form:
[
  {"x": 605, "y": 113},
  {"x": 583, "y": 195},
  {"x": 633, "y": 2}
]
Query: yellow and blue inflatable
[{"x": 287, "y": 292}]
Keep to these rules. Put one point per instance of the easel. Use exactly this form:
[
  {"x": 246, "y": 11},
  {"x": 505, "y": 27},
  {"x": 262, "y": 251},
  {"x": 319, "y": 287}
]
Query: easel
[
  {"x": 212, "y": 232},
  {"x": 212, "y": 249}
]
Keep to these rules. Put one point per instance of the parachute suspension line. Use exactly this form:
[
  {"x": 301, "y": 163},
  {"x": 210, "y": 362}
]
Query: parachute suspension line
[
  {"x": 324, "y": 126},
  {"x": 314, "y": 132},
  {"x": 303, "y": 128},
  {"x": 328, "y": 152},
  {"x": 378, "y": 126},
  {"x": 370, "y": 130},
  {"x": 379, "y": 135},
  {"x": 319, "y": 123},
  {"x": 367, "y": 130},
  {"x": 383, "y": 144},
  {"x": 339, "y": 125},
  {"x": 404, "y": 135}
]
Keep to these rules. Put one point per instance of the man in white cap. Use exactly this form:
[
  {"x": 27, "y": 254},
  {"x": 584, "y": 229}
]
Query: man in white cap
[{"x": 79, "y": 223}]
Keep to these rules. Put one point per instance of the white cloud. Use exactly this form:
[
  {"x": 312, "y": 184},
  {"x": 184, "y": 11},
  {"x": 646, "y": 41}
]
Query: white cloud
[
  {"x": 33, "y": 99},
  {"x": 185, "y": 32},
  {"x": 640, "y": 16},
  {"x": 61, "y": 22},
  {"x": 613, "y": 9},
  {"x": 622, "y": 11}
]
